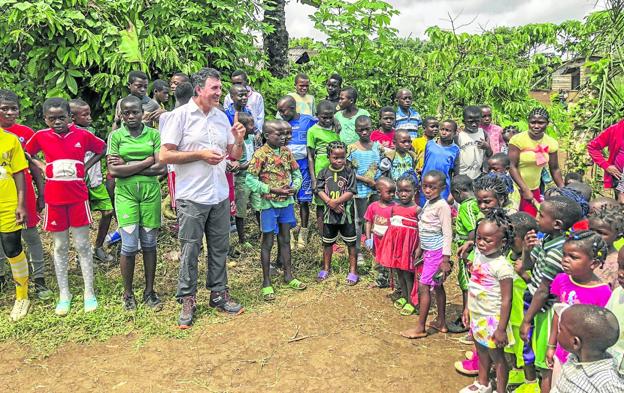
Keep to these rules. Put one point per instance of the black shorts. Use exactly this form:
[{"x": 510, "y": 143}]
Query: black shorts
[{"x": 346, "y": 231}]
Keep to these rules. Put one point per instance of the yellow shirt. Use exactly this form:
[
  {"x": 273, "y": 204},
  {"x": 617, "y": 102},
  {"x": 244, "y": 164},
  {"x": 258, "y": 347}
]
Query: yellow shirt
[
  {"x": 529, "y": 170},
  {"x": 12, "y": 160},
  {"x": 419, "y": 145},
  {"x": 305, "y": 104}
]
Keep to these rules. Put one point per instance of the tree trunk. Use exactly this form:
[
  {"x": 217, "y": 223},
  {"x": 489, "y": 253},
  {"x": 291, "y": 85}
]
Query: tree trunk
[{"x": 276, "y": 43}]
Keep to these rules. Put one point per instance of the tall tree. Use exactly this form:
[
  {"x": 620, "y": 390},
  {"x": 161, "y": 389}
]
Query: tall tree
[{"x": 276, "y": 40}]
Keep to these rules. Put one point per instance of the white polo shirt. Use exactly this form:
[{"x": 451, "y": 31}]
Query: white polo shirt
[{"x": 190, "y": 129}]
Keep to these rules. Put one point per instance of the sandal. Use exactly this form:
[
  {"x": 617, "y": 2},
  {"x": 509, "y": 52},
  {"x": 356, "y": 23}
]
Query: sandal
[
  {"x": 296, "y": 284},
  {"x": 400, "y": 303},
  {"x": 268, "y": 294},
  {"x": 407, "y": 310},
  {"x": 352, "y": 279},
  {"x": 322, "y": 276}
]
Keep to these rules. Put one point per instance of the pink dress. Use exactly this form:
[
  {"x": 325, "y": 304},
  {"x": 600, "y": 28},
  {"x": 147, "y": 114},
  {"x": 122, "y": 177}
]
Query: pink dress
[
  {"x": 379, "y": 216},
  {"x": 570, "y": 292},
  {"x": 399, "y": 243},
  {"x": 495, "y": 135}
]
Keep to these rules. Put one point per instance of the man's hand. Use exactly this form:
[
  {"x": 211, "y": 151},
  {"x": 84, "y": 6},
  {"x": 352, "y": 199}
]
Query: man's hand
[
  {"x": 483, "y": 144},
  {"x": 445, "y": 266},
  {"x": 212, "y": 157},
  {"x": 550, "y": 357},
  {"x": 464, "y": 249},
  {"x": 528, "y": 196},
  {"x": 238, "y": 130}
]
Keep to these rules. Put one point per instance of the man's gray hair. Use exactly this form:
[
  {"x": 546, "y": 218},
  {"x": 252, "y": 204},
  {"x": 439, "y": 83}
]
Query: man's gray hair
[{"x": 199, "y": 78}]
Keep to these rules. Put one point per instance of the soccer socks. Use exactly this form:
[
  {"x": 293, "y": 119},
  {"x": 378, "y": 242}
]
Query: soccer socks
[
  {"x": 19, "y": 268},
  {"x": 85, "y": 255},
  {"x": 61, "y": 261}
]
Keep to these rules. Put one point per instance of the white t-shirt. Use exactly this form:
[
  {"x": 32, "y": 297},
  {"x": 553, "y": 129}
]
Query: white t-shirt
[
  {"x": 190, "y": 129},
  {"x": 484, "y": 291},
  {"x": 471, "y": 156}
]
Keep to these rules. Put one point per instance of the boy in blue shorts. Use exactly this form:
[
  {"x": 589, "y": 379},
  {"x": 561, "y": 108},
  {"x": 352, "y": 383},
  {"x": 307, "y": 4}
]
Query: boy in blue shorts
[
  {"x": 99, "y": 199},
  {"x": 273, "y": 177},
  {"x": 287, "y": 109}
]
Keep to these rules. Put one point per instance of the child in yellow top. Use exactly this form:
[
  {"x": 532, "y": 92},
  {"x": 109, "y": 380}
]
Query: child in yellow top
[
  {"x": 13, "y": 216},
  {"x": 431, "y": 127}
]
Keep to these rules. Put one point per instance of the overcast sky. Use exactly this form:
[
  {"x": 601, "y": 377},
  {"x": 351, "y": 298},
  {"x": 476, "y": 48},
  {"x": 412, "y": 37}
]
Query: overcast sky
[{"x": 417, "y": 15}]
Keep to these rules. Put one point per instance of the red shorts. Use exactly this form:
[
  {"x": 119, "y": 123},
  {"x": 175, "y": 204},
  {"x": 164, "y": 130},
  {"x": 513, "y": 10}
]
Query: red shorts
[{"x": 59, "y": 218}]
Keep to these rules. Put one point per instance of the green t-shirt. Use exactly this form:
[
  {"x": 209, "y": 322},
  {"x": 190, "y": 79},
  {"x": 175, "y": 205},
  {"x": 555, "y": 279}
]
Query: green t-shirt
[
  {"x": 466, "y": 220},
  {"x": 347, "y": 132},
  {"x": 318, "y": 139},
  {"x": 129, "y": 148}
]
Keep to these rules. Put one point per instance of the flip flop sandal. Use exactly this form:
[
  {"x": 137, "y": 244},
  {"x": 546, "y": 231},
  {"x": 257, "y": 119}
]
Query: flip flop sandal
[
  {"x": 296, "y": 284},
  {"x": 322, "y": 276},
  {"x": 268, "y": 294},
  {"x": 407, "y": 310},
  {"x": 400, "y": 303},
  {"x": 352, "y": 279}
]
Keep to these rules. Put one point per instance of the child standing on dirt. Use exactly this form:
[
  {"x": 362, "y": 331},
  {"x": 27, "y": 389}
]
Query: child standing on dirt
[
  {"x": 436, "y": 235},
  {"x": 319, "y": 137},
  {"x": 399, "y": 247},
  {"x": 336, "y": 186},
  {"x": 489, "y": 300},
  {"x": 377, "y": 218},
  {"x": 465, "y": 224},
  {"x": 364, "y": 156},
  {"x": 442, "y": 155},
  {"x": 99, "y": 200},
  {"x": 273, "y": 177},
  {"x": 64, "y": 148},
  {"x": 385, "y": 133},
  {"x": 9, "y": 112},
  {"x": 13, "y": 215},
  {"x": 543, "y": 259}
]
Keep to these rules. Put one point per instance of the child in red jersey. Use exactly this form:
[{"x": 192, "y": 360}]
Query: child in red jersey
[
  {"x": 66, "y": 197},
  {"x": 9, "y": 112}
]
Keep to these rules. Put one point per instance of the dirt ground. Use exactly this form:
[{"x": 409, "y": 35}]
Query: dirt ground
[{"x": 329, "y": 338}]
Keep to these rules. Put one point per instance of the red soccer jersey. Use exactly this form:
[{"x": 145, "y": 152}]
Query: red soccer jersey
[{"x": 64, "y": 156}]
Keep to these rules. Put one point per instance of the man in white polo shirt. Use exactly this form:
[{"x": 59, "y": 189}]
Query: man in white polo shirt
[{"x": 196, "y": 138}]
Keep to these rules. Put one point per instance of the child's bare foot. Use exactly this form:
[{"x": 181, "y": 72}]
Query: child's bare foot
[
  {"x": 439, "y": 326},
  {"x": 413, "y": 333}
]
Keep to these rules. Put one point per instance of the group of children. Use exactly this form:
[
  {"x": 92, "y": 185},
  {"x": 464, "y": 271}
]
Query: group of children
[{"x": 541, "y": 296}]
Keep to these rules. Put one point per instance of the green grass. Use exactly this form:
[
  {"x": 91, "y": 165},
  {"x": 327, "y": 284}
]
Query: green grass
[{"x": 42, "y": 332}]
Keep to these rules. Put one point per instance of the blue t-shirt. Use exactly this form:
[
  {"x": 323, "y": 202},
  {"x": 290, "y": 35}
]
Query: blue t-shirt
[
  {"x": 440, "y": 158},
  {"x": 300, "y": 127},
  {"x": 230, "y": 112},
  {"x": 409, "y": 121},
  {"x": 365, "y": 163}
]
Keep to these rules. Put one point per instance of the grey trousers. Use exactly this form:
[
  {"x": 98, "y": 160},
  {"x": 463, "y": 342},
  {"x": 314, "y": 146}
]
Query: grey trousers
[
  {"x": 196, "y": 221},
  {"x": 34, "y": 253}
]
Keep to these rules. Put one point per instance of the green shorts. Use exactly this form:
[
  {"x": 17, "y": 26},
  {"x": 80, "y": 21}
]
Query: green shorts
[
  {"x": 138, "y": 203},
  {"x": 541, "y": 333},
  {"x": 99, "y": 200},
  {"x": 242, "y": 193}
]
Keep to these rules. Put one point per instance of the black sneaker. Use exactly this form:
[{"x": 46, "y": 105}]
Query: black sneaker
[
  {"x": 222, "y": 302},
  {"x": 129, "y": 303},
  {"x": 457, "y": 326},
  {"x": 152, "y": 301},
  {"x": 185, "y": 320}
]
